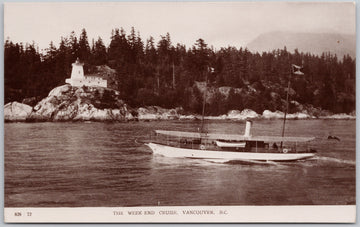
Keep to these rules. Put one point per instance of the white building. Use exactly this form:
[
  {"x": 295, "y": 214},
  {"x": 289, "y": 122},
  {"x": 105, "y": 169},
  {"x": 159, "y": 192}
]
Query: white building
[{"x": 79, "y": 79}]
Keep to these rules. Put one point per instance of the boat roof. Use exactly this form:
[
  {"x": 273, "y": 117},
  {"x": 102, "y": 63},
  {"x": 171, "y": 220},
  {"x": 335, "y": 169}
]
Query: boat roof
[{"x": 217, "y": 136}]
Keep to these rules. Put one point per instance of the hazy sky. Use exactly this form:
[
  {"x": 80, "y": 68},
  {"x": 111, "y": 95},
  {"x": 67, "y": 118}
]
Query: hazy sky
[{"x": 219, "y": 23}]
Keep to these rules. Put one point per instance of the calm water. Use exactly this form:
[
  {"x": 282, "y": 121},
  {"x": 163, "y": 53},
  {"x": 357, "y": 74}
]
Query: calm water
[{"x": 99, "y": 164}]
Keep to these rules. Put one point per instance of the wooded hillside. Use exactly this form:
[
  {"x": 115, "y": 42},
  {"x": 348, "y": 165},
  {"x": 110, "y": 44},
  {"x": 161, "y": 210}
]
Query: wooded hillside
[{"x": 165, "y": 74}]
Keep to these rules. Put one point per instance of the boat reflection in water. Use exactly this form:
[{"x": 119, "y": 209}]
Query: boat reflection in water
[{"x": 230, "y": 147}]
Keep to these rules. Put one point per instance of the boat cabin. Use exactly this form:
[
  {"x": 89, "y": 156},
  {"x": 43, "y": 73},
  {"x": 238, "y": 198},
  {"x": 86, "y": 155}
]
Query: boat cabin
[{"x": 233, "y": 142}]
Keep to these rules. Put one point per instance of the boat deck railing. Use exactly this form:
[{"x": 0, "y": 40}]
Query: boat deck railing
[
  {"x": 214, "y": 147},
  {"x": 205, "y": 144}
]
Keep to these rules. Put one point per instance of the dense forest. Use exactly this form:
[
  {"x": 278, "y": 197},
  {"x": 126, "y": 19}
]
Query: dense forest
[{"x": 168, "y": 75}]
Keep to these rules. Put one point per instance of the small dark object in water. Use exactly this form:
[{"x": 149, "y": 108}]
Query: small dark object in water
[{"x": 333, "y": 138}]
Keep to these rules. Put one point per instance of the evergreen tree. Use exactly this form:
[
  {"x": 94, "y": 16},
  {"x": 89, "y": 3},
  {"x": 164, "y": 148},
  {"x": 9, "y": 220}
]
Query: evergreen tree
[
  {"x": 100, "y": 54},
  {"x": 84, "y": 47},
  {"x": 164, "y": 74}
]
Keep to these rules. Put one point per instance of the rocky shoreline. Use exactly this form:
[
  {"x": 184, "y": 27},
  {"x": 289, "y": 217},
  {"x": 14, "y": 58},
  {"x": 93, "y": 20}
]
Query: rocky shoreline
[{"x": 67, "y": 103}]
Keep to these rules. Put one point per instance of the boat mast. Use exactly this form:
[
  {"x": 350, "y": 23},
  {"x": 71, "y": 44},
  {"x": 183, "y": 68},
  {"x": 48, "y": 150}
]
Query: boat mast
[
  {"x": 296, "y": 71},
  {"x": 286, "y": 110}
]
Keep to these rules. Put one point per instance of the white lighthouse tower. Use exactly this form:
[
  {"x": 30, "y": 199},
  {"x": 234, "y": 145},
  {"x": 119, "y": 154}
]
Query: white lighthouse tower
[
  {"x": 77, "y": 70},
  {"x": 77, "y": 74},
  {"x": 79, "y": 79}
]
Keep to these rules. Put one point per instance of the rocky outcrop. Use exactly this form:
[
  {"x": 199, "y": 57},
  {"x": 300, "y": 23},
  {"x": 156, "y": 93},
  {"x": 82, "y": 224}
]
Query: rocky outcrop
[
  {"x": 339, "y": 116},
  {"x": 211, "y": 91},
  {"x": 267, "y": 114},
  {"x": 242, "y": 115},
  {"x": 157, "y": 113},
  {"x": 15, "y": 111},
  {"x": 68, "y": 103}
]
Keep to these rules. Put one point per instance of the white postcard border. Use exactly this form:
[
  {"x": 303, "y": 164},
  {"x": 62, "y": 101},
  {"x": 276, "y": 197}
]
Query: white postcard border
[
  {"x": 258, "y": 214},
  {"x": 184, "y": 214}
]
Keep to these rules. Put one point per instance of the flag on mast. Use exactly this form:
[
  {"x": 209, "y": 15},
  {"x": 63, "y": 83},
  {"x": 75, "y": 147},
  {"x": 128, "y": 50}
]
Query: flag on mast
[{"x": 297, "y": 70}]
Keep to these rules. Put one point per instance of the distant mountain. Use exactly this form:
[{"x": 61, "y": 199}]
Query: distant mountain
[{"x": 315, "y": 43}]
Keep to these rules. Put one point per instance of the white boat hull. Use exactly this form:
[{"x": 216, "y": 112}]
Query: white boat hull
[
  {"x": 169, "y": 151},
  {"x": 230, "y": 144}
]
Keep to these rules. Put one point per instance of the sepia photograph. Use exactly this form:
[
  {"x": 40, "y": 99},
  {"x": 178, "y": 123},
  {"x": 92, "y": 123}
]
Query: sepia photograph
[{"x": 179, "y": 112}]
